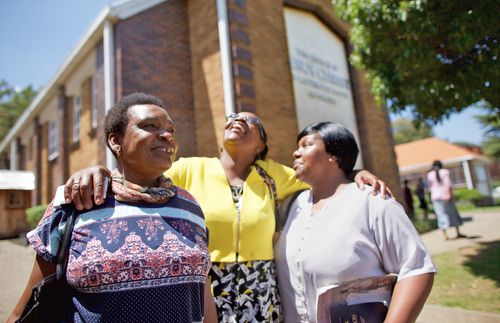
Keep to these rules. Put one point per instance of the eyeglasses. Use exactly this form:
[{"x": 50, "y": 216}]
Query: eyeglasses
[
  {"x": 251, "y": 120},
  {"x": 236, "y": 116}
]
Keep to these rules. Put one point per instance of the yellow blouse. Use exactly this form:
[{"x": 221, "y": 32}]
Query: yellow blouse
[{"x": 235, "y": 236}]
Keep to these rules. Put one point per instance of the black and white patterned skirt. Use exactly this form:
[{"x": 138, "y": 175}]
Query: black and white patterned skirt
[{"x": 246, "y": 291}]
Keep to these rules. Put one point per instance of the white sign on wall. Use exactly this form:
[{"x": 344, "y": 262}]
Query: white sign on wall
[{"x": 320, "y": 73}]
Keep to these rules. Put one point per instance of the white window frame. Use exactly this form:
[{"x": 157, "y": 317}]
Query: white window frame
[
  {"x": 93, "y": 107},
  {"x": 53, "y": 140},
  {"x": 77, "y": 107}
]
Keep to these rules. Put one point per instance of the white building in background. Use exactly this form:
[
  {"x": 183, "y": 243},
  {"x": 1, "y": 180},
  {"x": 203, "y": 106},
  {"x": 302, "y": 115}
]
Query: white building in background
[{"x": 468, "y": 168}]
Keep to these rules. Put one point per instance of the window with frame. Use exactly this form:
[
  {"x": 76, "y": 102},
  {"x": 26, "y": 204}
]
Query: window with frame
[
  {"x": 15, "y": 199},
  {"x": 53, "y": 139},
  {"x": 93, "y": 96},
  {"x": 457, "y": 176},
  {"x": 76, "y": 118}
]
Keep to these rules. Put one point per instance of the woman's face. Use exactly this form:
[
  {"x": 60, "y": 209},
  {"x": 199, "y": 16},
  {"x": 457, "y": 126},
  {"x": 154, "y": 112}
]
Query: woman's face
[
  {"x": 243, "y": 128},
  {"x": 311, "y": 158},
  {"x": 148, "y": 146}
]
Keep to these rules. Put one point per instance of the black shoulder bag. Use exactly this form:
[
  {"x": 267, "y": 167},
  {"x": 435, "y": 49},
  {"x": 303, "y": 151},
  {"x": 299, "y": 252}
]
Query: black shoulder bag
[{"x": 50, "y": 297}]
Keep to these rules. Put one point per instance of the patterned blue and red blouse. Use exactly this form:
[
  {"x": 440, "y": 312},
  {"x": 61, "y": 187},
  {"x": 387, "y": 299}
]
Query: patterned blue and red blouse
[{"x": 132, "y": 262}]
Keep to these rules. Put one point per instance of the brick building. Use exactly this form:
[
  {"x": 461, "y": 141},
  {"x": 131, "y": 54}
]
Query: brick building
[{"x": 285, "y": 60}]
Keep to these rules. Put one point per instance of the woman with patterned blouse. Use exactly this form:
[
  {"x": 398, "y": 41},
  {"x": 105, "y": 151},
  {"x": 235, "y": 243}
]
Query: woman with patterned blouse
[{"x": 142, "y": 255}]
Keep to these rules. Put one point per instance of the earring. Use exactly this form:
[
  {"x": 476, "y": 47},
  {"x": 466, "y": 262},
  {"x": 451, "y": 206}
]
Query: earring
[{"x": 118, "y": 151}]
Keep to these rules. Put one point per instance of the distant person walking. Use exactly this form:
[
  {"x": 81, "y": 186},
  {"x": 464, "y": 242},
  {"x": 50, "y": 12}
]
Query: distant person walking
[
  {"x": 439, "y": 183},
  {"x": 410, "y": 210},
  {"x": 420, "y": 192}
]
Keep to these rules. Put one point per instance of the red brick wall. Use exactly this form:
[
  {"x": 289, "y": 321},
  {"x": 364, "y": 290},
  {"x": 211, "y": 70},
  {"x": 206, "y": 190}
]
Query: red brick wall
[
  {"x": 207, "y": 77},
  {"x": 153, "y": 56}
]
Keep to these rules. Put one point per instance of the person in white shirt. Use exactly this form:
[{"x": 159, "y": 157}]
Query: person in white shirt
[{"x": 336, "y": 233}]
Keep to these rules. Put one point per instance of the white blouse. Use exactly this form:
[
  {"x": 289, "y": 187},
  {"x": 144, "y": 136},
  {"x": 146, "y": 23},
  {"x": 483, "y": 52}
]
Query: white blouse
[{"x": 355, "y": 235}]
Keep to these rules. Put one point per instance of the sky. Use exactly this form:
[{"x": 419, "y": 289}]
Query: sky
[{"x": 37, "y": 35}]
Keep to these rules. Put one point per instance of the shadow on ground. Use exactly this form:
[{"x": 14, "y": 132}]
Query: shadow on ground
[
  {"x": 486, "y": 262},
  {"x": 466, "y": 218}
]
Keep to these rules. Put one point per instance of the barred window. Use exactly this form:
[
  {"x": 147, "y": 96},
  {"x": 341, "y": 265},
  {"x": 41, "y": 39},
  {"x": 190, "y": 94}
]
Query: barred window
[{"x": 53, "y": 139}]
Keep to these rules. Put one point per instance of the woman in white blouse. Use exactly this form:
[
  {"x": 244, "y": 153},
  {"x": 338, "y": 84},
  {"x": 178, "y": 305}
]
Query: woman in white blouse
[{"x": 336, "y": 233}]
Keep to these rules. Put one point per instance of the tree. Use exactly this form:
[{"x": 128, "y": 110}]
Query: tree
[
  {"x": 12, "y": 105},
  {"x": 491, "y": 143},
  {"x": 404, "y": 130},
  {"x": 491, "y": 147},
  {"x": 430, "y": 56}
]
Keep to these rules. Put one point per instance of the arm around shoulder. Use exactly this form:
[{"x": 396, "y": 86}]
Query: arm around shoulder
[{"x": 85, "y": 185}]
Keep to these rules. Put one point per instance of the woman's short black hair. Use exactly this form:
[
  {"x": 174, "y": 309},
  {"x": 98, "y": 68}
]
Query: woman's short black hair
[
  {"x": 339, "y": 142},
  {"x": 117, "y": 117}
]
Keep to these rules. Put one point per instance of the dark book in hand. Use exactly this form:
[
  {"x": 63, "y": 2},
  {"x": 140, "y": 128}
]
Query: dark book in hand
[
  {"x": 374, "y": 312},
  {"x": 333, "y": 304}
]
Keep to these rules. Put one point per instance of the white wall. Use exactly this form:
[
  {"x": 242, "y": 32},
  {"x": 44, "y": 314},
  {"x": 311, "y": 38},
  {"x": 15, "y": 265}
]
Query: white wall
[{"x": 320, "y": 73}]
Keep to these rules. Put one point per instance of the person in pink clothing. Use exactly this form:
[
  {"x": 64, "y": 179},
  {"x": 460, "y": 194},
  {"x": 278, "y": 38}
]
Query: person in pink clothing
[{"x": 447, "y": 215}]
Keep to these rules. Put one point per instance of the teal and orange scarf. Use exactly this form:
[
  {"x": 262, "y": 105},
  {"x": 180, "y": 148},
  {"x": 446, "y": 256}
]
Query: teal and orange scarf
[{"x": 126, "y": 191}]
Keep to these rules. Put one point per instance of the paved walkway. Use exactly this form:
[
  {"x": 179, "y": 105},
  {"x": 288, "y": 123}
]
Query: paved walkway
[
  {"x": 479, "y": 227},
  {"x": 16, "y": 261}
]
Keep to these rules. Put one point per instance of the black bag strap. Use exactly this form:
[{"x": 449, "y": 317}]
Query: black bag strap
[
  {"x": 280, "y": 220},
  {"x": 63, "y": 250},
  {"x": 271, "y": 185},
  {"x": 286, "y": 205}
]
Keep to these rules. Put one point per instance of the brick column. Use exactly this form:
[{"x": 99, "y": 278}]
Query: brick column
[
  {"x": 64, "y": 105},
  {"x": 244, "y": 88}
]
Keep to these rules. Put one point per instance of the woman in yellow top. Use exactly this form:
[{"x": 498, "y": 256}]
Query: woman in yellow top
[{"x": 239, "y": 212}]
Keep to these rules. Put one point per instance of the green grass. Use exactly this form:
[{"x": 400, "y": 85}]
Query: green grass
[
  {"x": 494, "y": 208},
  {"x": 468, "y": 278}
]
